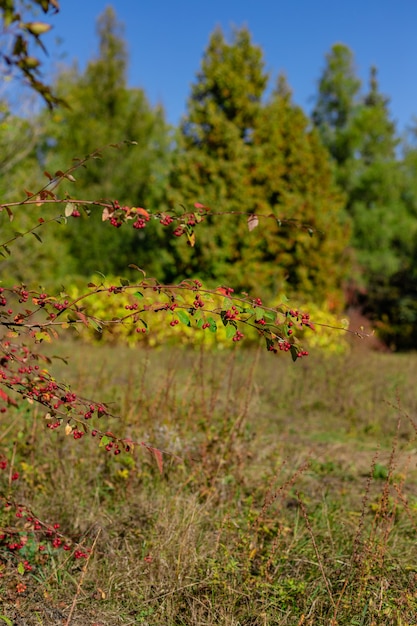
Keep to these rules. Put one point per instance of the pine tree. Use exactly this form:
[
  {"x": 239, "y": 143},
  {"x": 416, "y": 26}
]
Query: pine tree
[
  {"x": 362, "y": 140},
  {"x": 212, "y": 161},
  {"x": 294, "y": 180},
  {"x": 104, "y": 110},
  {"x": 335, "y": 109},
  {"x": 240, "y": 155}
]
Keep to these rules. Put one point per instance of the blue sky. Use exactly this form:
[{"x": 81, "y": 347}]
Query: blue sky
[{"x": 166, "y": 40}]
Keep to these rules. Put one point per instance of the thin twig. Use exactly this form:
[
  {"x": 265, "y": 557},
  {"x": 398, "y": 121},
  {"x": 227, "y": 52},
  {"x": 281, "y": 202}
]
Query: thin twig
[{"x": 80, "y": 582}]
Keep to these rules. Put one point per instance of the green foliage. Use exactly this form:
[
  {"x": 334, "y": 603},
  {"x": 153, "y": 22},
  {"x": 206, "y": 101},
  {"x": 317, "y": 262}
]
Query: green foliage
[
  {"x": 338, "y": 91},
  {"x": 212, "y": 161},
  {"x": 240, "y": 156},
  {"x": 361, "y": 138},
  {"x": 293, "y": 179},
  {"x": 104, "y": 110}
]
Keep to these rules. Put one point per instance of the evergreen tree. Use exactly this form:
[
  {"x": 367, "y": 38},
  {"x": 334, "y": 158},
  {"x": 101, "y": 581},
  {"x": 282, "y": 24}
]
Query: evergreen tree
[
  {"x": 361, "y": 138},
  {"x": 294, "y": 180},
  {"x": 375, "y": 201},
  {"x": 212, "y": 161},
  {"x": 237, "y": 154},
  {"x": 335, "y": 109},
  {"x": 103, "y": 110}
]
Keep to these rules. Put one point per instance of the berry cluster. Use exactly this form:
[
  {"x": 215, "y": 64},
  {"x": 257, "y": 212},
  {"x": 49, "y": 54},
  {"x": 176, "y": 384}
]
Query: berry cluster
[
  {"x": 178, "y": 231},
  {"x": 302, "y": 318},
  {"x": 34, "y": 534},
  {"x": 140, "y": 222},
  {"x": 231, "y": 314},
  {"x": 198, "y": 302},
  {"x": 166, "y": 220},
  {"x": 238, "y": 336}
]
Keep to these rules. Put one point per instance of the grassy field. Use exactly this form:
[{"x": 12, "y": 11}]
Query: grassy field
[{"x": 288, "y": 495}]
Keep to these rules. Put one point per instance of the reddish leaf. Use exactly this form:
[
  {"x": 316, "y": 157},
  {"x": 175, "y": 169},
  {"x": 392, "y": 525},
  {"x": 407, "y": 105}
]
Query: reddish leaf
[
  {"x": 141, "y": 211},
  {"x": 158, "y": 458},
  {"x": 6, "y": 398},
  {"x": 83, "y": 318},
  {"x": 157, "y": 454}
]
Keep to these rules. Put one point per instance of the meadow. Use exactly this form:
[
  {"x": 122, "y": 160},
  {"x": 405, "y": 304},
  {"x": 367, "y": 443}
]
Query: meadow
[{"x": 288, "y": 492}]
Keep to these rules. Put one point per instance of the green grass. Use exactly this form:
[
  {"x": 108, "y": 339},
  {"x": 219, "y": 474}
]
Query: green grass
[{"x": 288, "y": 495}]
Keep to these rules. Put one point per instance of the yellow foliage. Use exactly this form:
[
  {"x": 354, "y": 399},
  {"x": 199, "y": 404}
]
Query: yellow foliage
[{"x": 157, "y": 320}]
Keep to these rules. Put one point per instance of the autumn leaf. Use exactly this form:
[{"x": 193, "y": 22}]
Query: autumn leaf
[
  {"x": 141, "y": 211},
  {"x": 6, "y": 398},
  {"x": 191, "y": 239},
  {"x": 158, "y": 458}
]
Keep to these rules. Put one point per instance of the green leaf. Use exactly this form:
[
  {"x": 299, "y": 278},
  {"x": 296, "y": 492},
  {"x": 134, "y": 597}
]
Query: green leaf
[
  {"x": 230, "y": 330},
  {"x": 259, "y": 314},
  {"x": 6, "y": 620},
  {"x": 294, "y": 353},
  {"x": 138, "y": 294},
  {"x": 269, "y": 343},
  {"x": 37, "y": 237},
  {"x": 198, "y": 316},
  {"x": 21, "y": 568},
  {"x": 213, "y": 325},
  {"x": 124, "y": 282},
  {"x": 183, "y": 317},
  {"x": 269, "y": 315},
  {"x": 97, "y": 327},
  {"x": 104, "y": 441}
]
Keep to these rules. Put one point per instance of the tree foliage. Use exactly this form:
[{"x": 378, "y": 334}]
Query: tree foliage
[
  {"x": 362, "y": 139},
  {"x": 104, "y": 110},
  {"x": 239, "y": 154}
]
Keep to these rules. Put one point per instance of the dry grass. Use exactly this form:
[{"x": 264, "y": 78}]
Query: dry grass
[{"x": 288, "y": 496}]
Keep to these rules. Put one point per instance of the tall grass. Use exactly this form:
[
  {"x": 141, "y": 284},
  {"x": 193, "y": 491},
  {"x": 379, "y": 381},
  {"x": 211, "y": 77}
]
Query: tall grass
[{"x": 288, "y": 493}]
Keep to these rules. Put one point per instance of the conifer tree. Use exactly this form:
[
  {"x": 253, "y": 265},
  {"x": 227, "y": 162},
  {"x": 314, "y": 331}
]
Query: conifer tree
[
  {"x": 104, "y": 110},
  {"x": 361, "y": 138},
  {"x": 335, "y": 109},
  {"x": 294, "y": 180},
  {"x": 212, "y": 162},
  {"x": 239, "y": 154}
]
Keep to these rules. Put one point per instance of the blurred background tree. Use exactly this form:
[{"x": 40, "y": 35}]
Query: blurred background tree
[
  {"x": 361, "y": 137},
  {"x": 104, "y": 110}
]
